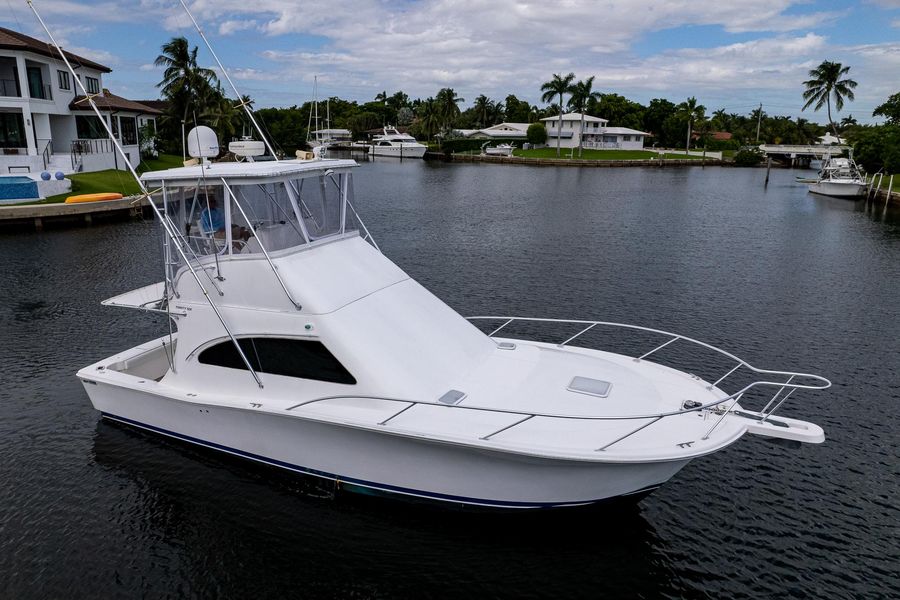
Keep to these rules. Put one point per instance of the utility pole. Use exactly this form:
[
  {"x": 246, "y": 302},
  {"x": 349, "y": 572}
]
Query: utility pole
[{"x": 758, "y": 121}]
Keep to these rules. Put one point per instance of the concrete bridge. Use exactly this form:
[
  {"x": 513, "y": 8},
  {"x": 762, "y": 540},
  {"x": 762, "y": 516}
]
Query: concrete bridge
[{"x": 800, "y": 154}]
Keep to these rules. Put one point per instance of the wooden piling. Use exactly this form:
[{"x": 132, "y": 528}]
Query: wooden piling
[{"x": 768, "y": 168}]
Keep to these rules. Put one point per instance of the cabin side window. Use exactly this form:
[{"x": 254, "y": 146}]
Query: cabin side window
[{"x": 304, "y": 359}]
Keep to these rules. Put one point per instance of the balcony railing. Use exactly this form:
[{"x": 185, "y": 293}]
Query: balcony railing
[
  {"x": 44, "y": 92},
  {"x": 8, "y": 87}
]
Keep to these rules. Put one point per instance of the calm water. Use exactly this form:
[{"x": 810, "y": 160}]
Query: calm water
[{"x": 785, "y": 279}]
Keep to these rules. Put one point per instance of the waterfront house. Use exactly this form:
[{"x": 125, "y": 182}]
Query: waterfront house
[
  {"x": 501, "y": 131},
  {"x": 46, "y": 125},
  {"x": 594, "y": 132}
]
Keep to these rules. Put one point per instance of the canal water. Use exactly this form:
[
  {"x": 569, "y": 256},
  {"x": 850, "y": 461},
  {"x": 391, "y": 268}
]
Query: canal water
[{"x": 780, "y": 277}]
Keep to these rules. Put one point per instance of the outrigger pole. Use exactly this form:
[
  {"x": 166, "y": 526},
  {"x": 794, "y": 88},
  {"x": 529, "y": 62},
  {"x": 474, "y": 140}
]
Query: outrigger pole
[
  {"x": 145, "y": 194},
  {"x": 240, "y": 99}
]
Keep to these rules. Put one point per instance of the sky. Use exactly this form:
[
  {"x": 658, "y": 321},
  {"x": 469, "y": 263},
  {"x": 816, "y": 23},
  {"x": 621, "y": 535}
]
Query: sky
[{"x": 730, "y": 55}]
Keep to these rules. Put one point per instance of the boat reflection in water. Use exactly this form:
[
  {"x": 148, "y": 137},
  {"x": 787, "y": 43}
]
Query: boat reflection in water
[{"x": 218, "y": 508}]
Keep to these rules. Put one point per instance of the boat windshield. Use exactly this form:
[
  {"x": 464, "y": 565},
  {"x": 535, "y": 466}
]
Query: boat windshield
[{"x": 247, "y": 217}]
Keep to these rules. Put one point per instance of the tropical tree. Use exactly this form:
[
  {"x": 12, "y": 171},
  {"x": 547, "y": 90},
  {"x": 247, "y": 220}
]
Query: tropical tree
[
  {"x": 889, "y": 109},
  {"x": 482, "y": 109},
  {"x": 448, "y": 107},
  {"x": 429, "y": 117},
  {"x": 692, "y": 112},
  {"x": 184, "y": 82},
  {"x": 558, "y": 86},
  {"x": 581, "y": 94},
  {"x": 381, "y": 97},
  {"x": 825, "y": 81}
]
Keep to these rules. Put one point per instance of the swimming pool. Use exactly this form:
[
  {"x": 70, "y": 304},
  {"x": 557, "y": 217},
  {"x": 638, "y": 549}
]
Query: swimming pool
[{"x": 18, "y": 187}]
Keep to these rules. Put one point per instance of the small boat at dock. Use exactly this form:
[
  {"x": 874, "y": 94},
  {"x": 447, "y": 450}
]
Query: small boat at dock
[
  {"x": 498, "y": 150},
  {"x": 839, "y": 178}
]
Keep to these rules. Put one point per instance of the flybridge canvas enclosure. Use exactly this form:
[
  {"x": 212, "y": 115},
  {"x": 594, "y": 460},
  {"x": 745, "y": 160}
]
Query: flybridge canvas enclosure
[{"x": 222, "y": 214}]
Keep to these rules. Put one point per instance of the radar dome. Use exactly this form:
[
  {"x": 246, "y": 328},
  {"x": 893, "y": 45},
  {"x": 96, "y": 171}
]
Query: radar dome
[
  {"x": 247, "y": 148},
  {"x": 202, "y": 142}
]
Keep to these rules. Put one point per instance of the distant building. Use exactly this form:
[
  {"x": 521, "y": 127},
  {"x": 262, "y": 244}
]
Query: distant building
[
  {"x": 828, "y": 140},
  {"x": 43, "y": 126},
  {"x": 595, "y": 133},
  {"x": 500, "y": 131}
]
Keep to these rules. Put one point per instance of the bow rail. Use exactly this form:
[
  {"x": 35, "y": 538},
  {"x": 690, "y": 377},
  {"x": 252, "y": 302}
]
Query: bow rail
[{"x": 721, "y": 407}]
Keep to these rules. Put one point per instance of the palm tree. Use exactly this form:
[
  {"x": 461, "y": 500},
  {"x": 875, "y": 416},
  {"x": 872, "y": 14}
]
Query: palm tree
[
  {"x": 691, "y": 111},
  {"x": 482, "y": 109},
  {"x": 448, "y": 107},
  {"x": 429, "y": 116},
  {"x": 557, "y": 86},
  {"x": 184, "y": 81},
  {"x": 382, "y": 97},
  {"x": 581, "y": 95},
  {"x": 825, "y": 81}
]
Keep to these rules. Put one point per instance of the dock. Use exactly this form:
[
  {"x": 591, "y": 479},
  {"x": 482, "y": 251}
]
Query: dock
[{"x": 37, "y": 217}]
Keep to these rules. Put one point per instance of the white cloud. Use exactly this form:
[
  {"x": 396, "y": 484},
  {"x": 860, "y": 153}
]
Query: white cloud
[{"x": 233, "y": 26}]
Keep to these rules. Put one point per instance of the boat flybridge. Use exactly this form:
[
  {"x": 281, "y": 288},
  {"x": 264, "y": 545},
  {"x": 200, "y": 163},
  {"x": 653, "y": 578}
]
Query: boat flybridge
[
  {"x": 840, "y": 177},
  {"x": 295, "y": 342}
]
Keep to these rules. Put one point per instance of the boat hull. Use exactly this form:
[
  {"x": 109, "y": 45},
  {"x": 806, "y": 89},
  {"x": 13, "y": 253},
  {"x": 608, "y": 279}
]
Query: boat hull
[
  {"x": 838, "y": 189},
  {"x": 368, "y": 461},
  {"x": 416, "y": 151}
]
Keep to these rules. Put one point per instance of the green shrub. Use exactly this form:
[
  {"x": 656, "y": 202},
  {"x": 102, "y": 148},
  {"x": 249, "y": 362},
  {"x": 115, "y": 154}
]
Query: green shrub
[
  {"x": 748, "y": 157},
  {"x": 536, "y": 134}
]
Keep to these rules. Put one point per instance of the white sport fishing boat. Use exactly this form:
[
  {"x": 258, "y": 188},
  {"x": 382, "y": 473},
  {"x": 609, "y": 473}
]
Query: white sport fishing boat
[
  {"x": 300, "y": 345},
  {"x": 839, "y": 177},
  {"x": 293, "y": 341},
  {"x": 498, "y": 150},
  {"x": 396, "y": 144}
]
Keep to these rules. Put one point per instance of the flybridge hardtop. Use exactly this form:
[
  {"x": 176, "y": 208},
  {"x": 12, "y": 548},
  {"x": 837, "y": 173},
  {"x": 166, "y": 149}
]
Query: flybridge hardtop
[{"x": 265, "y": 169}]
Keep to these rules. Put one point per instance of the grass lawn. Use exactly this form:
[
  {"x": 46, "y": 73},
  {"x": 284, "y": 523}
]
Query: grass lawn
[
  {"x": 111, "y": 180},
  {"x": 887, "y": 180},
  {"x": 597, "y": 154}
]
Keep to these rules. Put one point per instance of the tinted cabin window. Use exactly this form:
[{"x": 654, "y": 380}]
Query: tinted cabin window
[{"x": 306, "y": 359}]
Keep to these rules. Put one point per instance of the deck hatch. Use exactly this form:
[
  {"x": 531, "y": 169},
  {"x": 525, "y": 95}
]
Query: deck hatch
[
  {"x": 452, "y": 397},
  {"x": 592, "y": 387}
]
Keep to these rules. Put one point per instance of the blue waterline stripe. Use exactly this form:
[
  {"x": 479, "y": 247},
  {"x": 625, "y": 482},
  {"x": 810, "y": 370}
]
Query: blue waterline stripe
[
  {"x": 350, "y": 480},
  {"x": 341, "y": 479}
]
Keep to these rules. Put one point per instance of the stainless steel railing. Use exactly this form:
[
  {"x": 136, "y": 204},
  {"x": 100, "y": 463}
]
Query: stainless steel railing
[{"x": 720, "y": 407}]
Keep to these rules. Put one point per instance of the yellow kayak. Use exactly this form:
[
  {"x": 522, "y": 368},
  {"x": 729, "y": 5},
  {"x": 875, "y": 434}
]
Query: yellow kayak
[{"x": 93, "y": 197}]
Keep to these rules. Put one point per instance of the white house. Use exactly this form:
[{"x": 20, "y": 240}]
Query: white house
[
  {"x": 43, "y": 126},
  {"x": 595, "y": 133},
  {"x": 498, "y": 132}
]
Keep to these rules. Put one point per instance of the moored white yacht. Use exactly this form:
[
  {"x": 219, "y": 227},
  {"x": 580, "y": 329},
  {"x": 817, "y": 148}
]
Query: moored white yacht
[
  {"x": 396, "y": 144},
  {"x": 300, "y": 345},
  {"x": 839, "y": 177},
  {"x": 295, "y": 342}
]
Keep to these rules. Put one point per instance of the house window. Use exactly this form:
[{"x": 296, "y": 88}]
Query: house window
[
  {"x": 36, "y": 84},
  {"x": 89, "y": 127},
  {"x": 114, "y": 125},
  {"x": 304, "y": 359},
  {"x": 64, "y": 83},
  {"x": 129, "y": 131},
  {"x": 92, "y": 84},
  {"x": 626, "y": 138},
  {"x": 12, "y": 130}
]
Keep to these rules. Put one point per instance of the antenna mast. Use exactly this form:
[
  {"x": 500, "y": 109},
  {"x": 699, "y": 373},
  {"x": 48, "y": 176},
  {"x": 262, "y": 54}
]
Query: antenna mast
[
  {"x": 163, "y": 219},
  {"x": 233, "y": 87}
]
